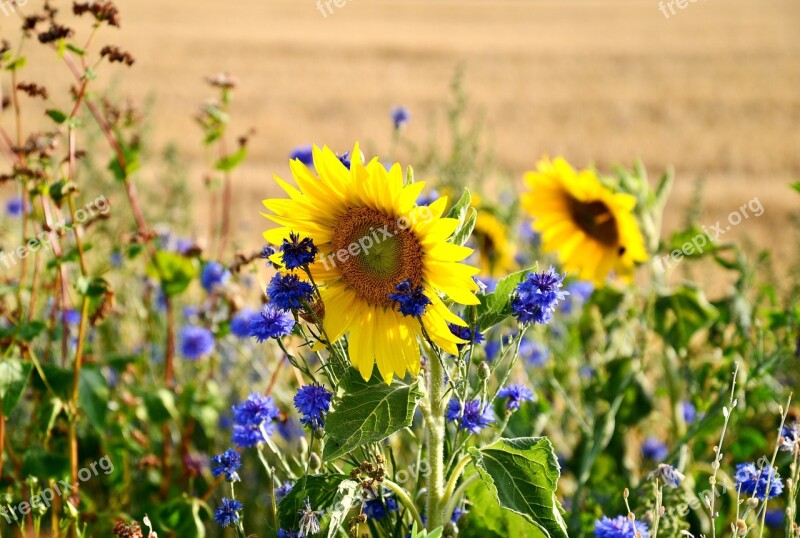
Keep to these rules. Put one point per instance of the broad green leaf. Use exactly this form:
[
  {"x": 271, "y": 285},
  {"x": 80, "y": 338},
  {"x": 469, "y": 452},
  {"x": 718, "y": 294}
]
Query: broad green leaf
[
  {"x": 523, "y": 475},
  {"x": 459, "y": 210},
  {"x": 229, "y": 162},
  {"x": 681, "y": 314},
  {"x": 367, "y": 412},
  {"x": 464, "y": 231},
  {"x": 346, "y": 498},
  {"x": 93, "y": 397},
  {"x": 321, "y": 492},
  {"x": 14, "y": 374},
  {"x": 492, "y": 521},
  {"x": 173, "y": 270}
]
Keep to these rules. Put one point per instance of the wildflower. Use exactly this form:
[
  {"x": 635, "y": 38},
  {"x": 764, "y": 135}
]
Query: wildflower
[
  {"x": 297, "y": 252},
  {"x": 753, "y": 481},
  {"x": 290, "y": 429},
  {"x": 380, "y": 507},
  {"x": 654, "y": 449},
  {"x": 536, "y": 297},
  {"x": 491, "y": 349},
  {"x": 247, "y": 436},
  {"x": 579, "y": 292},
  {"x": 591, "y": 228},
  {"x": 515, "y": 395},
  {"x": 287, "y": 534},
  {"x": 213, "y": 275},
  {"x": 288, "y": 292},
  {"x": 533, "y": 352},
  {"x": 283, "y": 490},
  {"x": 411, "y": 301},
  {"x": 309, "y": 524},
  {"x": 400, "y": 116},
  {"x": 266, "y": 252},
  {"x": 474, "y": 417},
  {"x": 270, "y": 323},
  {"x": 240, "y": 323},
  {"x": 227, "y": 463},
  {"x": 689, "y": 412},
  {"x": 620, "y": 527},
  {"x": 228, "y": 514},
  {"x": 667, "y": 474},
  {"x": 775, "y": 518},
  {"x": 466, "y": 334},
  {"x": 73, "y": 317},
  {"x": 304, "y": 153},
  {"x": 256, "y": 409},
  {"x": 196, "y": 342},
  {"x": 790, "y": 437},
  {"x": 345, "y": 159},
  {"x": 336, "y": 210},
  {"x": 457, "y": 513},
  {"x": 313, "y": 401},
  {"x": 428, "y": 198},
  {"x": 15, "y": 207}
]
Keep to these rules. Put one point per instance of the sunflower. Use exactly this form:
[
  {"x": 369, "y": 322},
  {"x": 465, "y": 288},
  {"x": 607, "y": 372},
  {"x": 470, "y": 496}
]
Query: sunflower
[
  {"x": 495, "y": 251},
  {"x": 372, "y": 237},
  {"x": 592, "y": 229}
]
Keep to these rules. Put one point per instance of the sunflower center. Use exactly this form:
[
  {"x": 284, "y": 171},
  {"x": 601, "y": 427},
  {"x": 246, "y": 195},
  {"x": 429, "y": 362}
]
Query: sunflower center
[
  {"x": 596, "y": 220},
  {"x": 374, "y": 254}
]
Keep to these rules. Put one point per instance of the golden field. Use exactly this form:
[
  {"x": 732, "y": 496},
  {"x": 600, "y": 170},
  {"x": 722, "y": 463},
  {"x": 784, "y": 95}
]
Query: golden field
[{"x": 713, "y": 90}]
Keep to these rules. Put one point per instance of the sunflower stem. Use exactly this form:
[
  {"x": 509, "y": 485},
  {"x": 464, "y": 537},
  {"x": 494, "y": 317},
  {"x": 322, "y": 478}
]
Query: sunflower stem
[{"x": 435, "y": 441}]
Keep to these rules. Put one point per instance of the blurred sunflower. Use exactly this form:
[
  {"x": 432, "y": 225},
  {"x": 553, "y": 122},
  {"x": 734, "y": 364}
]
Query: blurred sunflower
[
  {"x": 495, "y": 251},
  {"x": 592, "y": 229},
  {"x": 372, "y": 237}
]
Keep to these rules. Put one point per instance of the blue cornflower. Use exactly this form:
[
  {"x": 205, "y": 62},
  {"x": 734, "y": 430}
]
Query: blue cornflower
[
  {"x": 228, "y": 514},
  {"x": 620, "y": 527},
  {"x": 667, "y": 474},
  {"x": 190, "y": 311},
  {"x": 457, "y": 513},
  {"x": 288, "y": 534},
  {"x": 515, "y": 395},
  {"x": 213, "y": 275},
  {"x": 183, "y": 245},
  {"x": 298, "y": 252},
  {"x": 248, "y": 436},
  {"x": 375, "y": 508},
  {"x": 290, "y": 429},
  {"x": 427, "y": 198},
  {"x": 283, "y": 490},
  {"x": 266, "y": 252},
  {"x": 255, "y": 410},
  {"x": 15, "y": 207},
  {"x": 313, "y": 401},
  {"x": 654, "y": 449},
  {"x": 579, "y": 292},
  {"x": 474, "y": 417},
  {"x": 305, "y": 153},
  {"x": 465, "y": 333},
  {"x": 533, "y": 352},
  {"x": 689, "y": 411},
  {"x": 753, "y": 481},
  {"x": 345, "y": 159},
  {"x": 400, "y": 116},
  {"x": 196, "y": 342},
  {"x": 227, "y": 463},
  {"x": 270, "y": 323},
  {"x": 487, "y": 284},
  {"x": 775, "y": 518},
  {"x": 288, "y": 292},
  {"x": 411, "y": 301},
  {"x": 491, "y": 349},
  {"x": 536, "y": 297},
  {"x": 240, "y": 323},
  {"x": 790, "y": 436},
  {"x": 73, "y": 317}
]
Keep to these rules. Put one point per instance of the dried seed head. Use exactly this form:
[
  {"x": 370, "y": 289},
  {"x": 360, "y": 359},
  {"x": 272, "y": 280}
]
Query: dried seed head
[
  {"x": 33, "y": 89},
  {"x": 103, "y": 11},
  {"x": 54, "y": 33},
  {"x": 115, "y": 54}
]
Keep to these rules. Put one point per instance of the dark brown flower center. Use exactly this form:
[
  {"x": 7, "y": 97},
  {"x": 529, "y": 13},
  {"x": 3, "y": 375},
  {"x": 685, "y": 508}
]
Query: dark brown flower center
[
  {"x": 596, "y": 220},
  {"x": 374, "y": 252}
]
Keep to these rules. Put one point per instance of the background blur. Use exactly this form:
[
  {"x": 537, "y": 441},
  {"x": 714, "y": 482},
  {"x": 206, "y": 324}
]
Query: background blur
[{"x": 711, "y": 90}]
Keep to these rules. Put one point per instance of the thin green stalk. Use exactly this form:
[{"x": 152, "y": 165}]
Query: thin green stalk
[{"x": 403, "y": 497}]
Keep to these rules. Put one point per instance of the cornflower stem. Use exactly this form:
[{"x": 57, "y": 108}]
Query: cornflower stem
[
  {"x": 402, "y": 495},
  {"x": 718, "y": 455},
  {"x": 657, "y": 512},
  {"x": 435, "y": 442},
  {"x": 784, "y": 413}
]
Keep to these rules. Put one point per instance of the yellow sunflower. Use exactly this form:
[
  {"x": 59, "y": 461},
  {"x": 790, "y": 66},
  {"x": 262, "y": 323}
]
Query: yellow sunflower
[
  {"x": 495, "y": 251},
  {"x": 592, "y": 229},
  {"x": 371, "y": 237}
]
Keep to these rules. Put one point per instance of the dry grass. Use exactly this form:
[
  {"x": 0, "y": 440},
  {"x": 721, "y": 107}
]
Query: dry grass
[{"x": 712, "y": 90}]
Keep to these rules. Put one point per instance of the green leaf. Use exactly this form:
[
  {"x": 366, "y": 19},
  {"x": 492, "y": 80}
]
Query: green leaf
[
  {"x": 796, "y": 186},
  {"x": 92, "y": 287},
  {"x": 496, "y": 307},
  {"x": 492, "y": 521},
  {"x": 346, "y": 499},
  {"x": 131, "y": 156},
  {"x": 160, "y": 405},
  {"x": 464, "y": 231},
  {"x": 320, "y": 490},
  {"x": 173, "y": 270},
  {"x": 422, "y": 533},
  {"x": 229, "y": 162},
  {"x": 44, "y": 465},
  {"x": 14, "y": 375},
  {"x": 56, "y": 115},
  {"x": 367, "y": 412},
  {"x": 76, "y": 49},
  {"x": 17, "y": 63},
  {"x": 523, "y": 475},
  {"x": 93, "y": 397},
  {"x": 681, "y": 314},
  {"x": 183, "y": 517}
]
